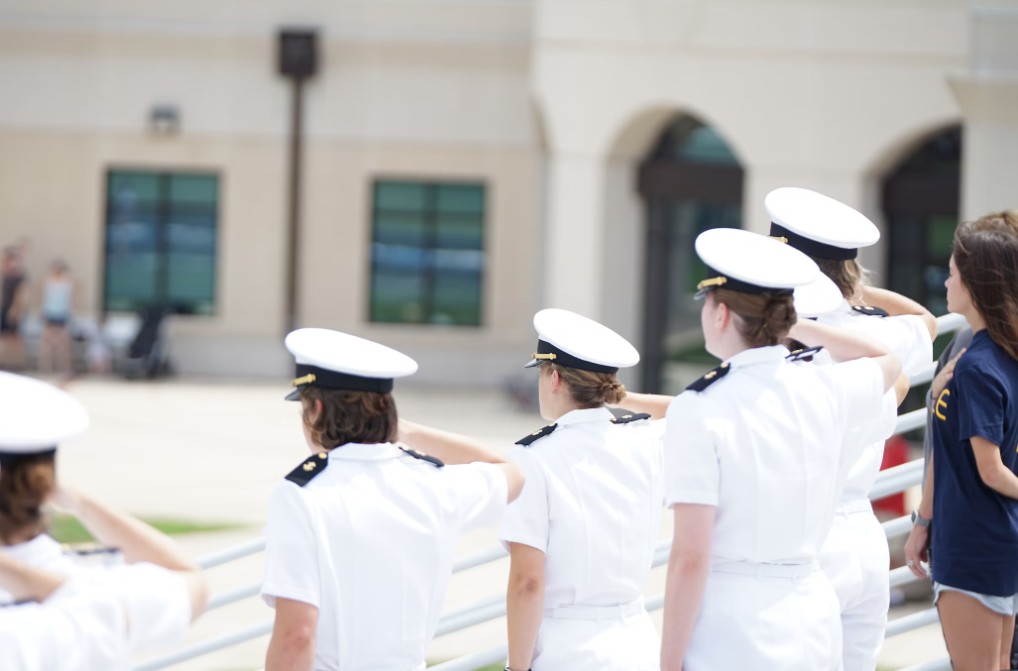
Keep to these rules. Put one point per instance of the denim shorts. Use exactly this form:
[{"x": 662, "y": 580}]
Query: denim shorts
[{"x": 1002, "y": 605}]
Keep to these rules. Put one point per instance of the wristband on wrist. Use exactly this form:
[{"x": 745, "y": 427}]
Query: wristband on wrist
[{"x": 918, "y": 519}]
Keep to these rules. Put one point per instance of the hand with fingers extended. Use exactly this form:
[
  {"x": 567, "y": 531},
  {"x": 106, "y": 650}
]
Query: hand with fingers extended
[{"x": 945, "y": 375}]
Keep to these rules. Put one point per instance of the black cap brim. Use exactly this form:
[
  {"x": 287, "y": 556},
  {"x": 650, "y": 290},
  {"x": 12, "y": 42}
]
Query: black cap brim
[{"x": 293, "y": 395}]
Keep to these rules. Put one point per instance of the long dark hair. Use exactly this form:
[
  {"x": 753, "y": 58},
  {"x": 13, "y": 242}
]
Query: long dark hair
[{"x": 986, "y": 255}]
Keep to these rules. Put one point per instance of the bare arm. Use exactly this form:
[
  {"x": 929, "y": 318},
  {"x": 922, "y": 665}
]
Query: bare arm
[
  {"x": 688, "y": 569},
  {"x": 292, "y": 645},
  {"x": 452, "y": 448},
  {"x": 524, "y": 603},
  {"x": 918, "y": 540},
  {"x": 655, "y": 405},
  {"x": 138, "y": 541},
  {"x": 895, "y": 304},
  {"x": 901, "y": 387},
  {"x": 992, "y": 470},
  {"x": 846, "y": 346},
  {"x": 26, "y": 582}
]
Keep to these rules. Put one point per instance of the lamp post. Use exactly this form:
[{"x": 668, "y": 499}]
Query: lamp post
[{"x": 298, "y": 61}]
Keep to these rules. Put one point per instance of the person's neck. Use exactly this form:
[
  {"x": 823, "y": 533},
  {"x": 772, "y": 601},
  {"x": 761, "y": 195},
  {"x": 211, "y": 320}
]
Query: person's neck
[{"x": 975, "y": 320}]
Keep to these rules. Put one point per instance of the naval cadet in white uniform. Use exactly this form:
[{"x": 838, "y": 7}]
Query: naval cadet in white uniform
[
  {"x": 361, "y": 534},
  {"x": 755, "y": 454},
  {"x": 582, "y": 534},
  {"x": 106, "y": 604},
  {"x": 855, "y": 556}
]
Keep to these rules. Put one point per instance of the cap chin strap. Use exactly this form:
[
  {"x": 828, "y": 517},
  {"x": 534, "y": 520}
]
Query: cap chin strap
[
  {"x": 548, "y": 352},
  {"x": 329, "y": 379}
]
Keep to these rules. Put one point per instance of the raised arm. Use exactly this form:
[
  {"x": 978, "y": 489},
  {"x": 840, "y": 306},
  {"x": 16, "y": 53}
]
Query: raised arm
[
  {"x": 846, "y": 346},
  {"x": 26, "y": 582},
  {"x": 655, "y": 405},
  {"x": 136, "y": 540},
  {"x": 895, "y": 304}
]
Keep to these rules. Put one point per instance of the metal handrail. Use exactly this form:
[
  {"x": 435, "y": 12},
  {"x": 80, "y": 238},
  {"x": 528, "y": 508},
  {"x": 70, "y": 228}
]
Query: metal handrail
[{"x": 890, "y": 481}]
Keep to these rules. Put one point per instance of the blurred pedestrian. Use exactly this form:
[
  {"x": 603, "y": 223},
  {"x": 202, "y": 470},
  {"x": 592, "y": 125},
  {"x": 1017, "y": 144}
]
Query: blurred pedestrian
[
  {"x": 58, "y": 296},
  {"x": 13, "y": 308}
]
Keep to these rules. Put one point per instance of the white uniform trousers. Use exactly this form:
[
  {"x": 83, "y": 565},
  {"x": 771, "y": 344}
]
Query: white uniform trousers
[
  {"x": 856, "y": 560},
  {"x": 606, "y": 638},
  {"x": 760, "y": 616}
]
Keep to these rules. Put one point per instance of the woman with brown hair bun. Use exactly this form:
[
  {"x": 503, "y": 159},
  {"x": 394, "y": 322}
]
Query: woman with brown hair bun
[
  {"x": 855, "y": 555},
  {"x": 970, "y": 497},
  {"x": 582, "y": 535},
  {"x": 755, "y": 455},
  {"x": 361, "y": 534},
  {"x": 150, "y": 592}
]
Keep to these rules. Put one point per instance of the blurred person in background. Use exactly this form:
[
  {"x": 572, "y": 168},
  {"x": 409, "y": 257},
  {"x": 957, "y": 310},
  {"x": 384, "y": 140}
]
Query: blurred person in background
[
  {"x": 146, "y": 591},
  {"x": 855, "y": 555},
  {"x": 58, "y": 297},
  {"x": 13, "y": 307},
  {"x": 969, "y": 508}
]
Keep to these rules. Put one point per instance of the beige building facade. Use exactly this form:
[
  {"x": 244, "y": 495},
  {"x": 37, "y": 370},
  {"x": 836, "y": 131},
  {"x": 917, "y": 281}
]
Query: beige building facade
[{"x": 489, "y": 156}]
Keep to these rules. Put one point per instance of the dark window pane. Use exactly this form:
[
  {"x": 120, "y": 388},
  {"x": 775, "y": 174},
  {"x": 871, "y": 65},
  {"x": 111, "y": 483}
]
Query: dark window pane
[
  {"x": 161, "y": 241},
  {"x": 468, "y": 199},
  {"x": 194, "y": 189},
  {"x": 427, "y": 258},
  {"x": 404, "y": 196}
]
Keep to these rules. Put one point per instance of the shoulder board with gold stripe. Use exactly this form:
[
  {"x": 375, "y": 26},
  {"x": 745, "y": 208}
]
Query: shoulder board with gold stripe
[
  {"x": 805, "y": 354},
  {"x": 709, "y": 378},
  {"x": 870, "y": 311},
  {"x": 434, "y": 461},
  {"x": 308, "y": 469},
  {"x": 537, "y": 435},
  {"x": 623, "y": 416}
]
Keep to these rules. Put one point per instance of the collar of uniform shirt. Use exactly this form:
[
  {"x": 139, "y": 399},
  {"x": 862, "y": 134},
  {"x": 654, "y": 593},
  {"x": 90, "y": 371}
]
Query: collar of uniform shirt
[
  {"x": 585, "y": 415},
  {"x": 749, "y": 357},
  {"x": 365, "y": 452}
]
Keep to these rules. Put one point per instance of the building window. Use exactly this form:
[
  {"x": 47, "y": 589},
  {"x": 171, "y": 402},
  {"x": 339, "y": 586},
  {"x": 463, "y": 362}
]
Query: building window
[
  {"x": 161, "y": 235},
  {"x": 427, "y": 252}
]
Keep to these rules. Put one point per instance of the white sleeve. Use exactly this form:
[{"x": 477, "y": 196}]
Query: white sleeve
[
  {"x": 859, "y": 385},
  {"x": 80, "y": 626},
  {"x": 291, "y": 548},
  {"x": 526, "y": 520},
  {"x": 481, "y": 491},
  {"x": 157, "y": 601},
  {"x": 692, "y": 467},
  {"x": 913, "y": 347}
]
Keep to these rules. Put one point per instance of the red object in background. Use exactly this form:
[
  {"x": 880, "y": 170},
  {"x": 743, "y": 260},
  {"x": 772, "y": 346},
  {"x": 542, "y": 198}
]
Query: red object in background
[{"x": 895, "y": 454}]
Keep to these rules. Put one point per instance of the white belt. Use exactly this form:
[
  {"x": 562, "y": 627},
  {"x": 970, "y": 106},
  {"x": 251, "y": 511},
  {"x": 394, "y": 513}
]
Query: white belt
[
  {"x": 762, "y": 570},
  {"x": 577, "y": 612},
  {"x": 856, "y": 506}
]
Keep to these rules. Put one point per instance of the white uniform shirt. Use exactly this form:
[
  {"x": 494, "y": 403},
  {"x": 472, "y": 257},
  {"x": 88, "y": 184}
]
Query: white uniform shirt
[
  {"x": 96, "y": 620},
  {"x": 370, "y": 542},
  {"x": 592, "y": 503},
  {"x": 769, "y": 445},
  {"x": 907, "y": 337}
]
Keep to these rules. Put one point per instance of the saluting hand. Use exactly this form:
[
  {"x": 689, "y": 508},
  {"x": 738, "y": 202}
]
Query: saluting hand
[{"x": 945, "y": 375}]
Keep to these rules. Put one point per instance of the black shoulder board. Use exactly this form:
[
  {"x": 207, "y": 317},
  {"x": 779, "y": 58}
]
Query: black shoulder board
[
  {"x": 536, "y": 435},
  {"x": 89, "y": 549},
  {"x": 623, "y": 416},
  {"x": 308, "y": 469},
  {"x": 803, "y": 354},
  {"x": 435, "y": 461},
  {"x": 709, "y": 378},
  {"x": 870, "y": 311}
]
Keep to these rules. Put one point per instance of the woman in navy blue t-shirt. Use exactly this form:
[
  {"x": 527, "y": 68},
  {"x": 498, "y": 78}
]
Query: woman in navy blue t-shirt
[{"x": 973, "y": 492}]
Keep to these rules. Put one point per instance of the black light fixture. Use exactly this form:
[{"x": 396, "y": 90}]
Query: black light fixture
[{"x": 164, "y": 119}]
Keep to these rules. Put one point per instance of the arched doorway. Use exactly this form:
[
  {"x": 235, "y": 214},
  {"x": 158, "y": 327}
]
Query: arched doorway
[
  {"x": 921, "y": 203},
  {"x": 690, "y": 181}
]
